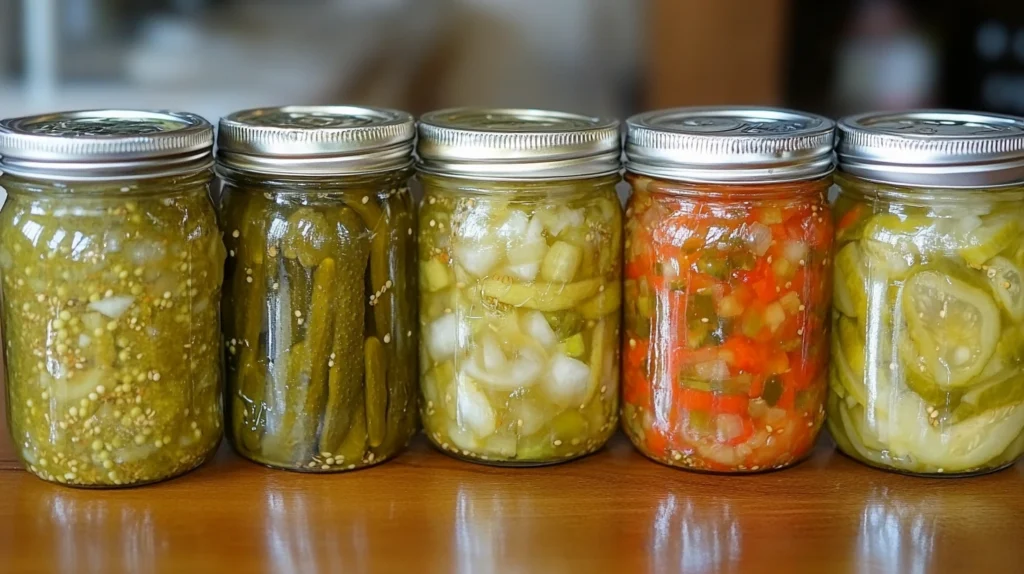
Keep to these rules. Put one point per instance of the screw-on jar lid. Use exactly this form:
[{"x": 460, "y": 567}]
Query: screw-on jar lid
[
  {"x": 517, "y": 144},
  {"x": 729, "y": 144},
  {"x": 316, "y": 140},
  {"x": 937, "y": 148},
  {"x": 105, "y": 145}
]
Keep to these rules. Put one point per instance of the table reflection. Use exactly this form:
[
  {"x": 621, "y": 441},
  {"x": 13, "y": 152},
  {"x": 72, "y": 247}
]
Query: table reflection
[
  {"x": 307, "y": 533},
  {"x": 695, "y": 536},
  {"x": 916, "y": 526},
  {"x": 531, "y": 524},
  {"x": 479, "y": 534},
  {"x": 897, "y": 532},
  {"x": 93, "y": 534}
]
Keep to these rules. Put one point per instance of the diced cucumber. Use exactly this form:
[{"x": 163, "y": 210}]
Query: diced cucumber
[
  {"x": 561, "y": 262},
  {"x": 573, "y": 346},
  {"x": 435, "y": 275}
]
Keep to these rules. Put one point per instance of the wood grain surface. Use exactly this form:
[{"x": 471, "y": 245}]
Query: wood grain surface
[{"x": 611, "y": 512}]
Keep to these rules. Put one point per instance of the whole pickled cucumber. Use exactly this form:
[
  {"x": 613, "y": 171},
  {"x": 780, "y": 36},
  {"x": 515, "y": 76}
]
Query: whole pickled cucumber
[
  {"x": 345, "y": 378},
  {"x": 380, "y": 259},
  {"x": 309, "y": 238},
  {"x": 351, "y": 450},
  {"x": 295, "y": 438},
  {"x": 248, "y": 292},
  {"x": 376, "y": 392},
  {"x": 298, "y": 294},
  {"x": 401, "y": 374},
  {"x": 318, "y": 343},
  {"x": 279, "y": 444}
]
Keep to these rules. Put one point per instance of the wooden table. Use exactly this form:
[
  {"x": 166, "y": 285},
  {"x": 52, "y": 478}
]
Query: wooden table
[{"x": 424, "y": 512}]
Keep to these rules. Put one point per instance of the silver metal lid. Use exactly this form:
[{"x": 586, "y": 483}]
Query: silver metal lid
[
  {"x": 316, "y": 140},
  {"x": 937, "y": 148},
  {"x": 517, "y": 144},
  {"x": 105, "y": 145},
  {"x": 730, "y": 144}
]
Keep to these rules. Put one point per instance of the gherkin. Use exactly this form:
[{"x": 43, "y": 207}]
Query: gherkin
[{"x": 316, "y": 288}]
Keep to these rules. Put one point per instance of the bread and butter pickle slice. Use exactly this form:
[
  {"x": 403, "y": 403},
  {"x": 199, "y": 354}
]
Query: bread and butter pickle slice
[
  {"x": 1005, "y": 278},
  {"x": 894, "y": 243},
  {"x": 849, "y": 294},
  {"x": 959, "y": 447},
  {"x": 953, "y": 327},
  {"x": 996, "y": 233},
  {"x": 1005, "y": 389}
]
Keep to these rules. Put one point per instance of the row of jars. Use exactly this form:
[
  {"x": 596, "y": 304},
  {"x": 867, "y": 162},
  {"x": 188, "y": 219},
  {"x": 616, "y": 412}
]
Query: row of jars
[{"x": 503, "y": 313}]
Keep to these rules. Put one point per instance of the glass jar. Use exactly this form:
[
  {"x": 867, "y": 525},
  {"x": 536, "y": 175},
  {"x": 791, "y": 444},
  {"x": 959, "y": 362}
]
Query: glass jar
[
  {"x": 728, "y": 270},
  {"x": 520, "y": 271},
  {"x": 928, "y": 326},
  {"x": 318, "y": 309},
  {"x": 111, "y": 265}
]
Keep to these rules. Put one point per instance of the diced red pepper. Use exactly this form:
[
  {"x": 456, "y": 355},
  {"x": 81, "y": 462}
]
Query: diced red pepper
[{"x": 731, "y": 404}]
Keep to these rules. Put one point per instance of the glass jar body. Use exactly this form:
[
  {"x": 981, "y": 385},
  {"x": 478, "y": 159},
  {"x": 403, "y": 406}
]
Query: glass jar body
[
  {"x": 319, "y": 319},
  {"x": 111, "y": 295},
  {"x": 520, "y": 295},
  {"x": 727, "y": 296},
  {"x": 926, "y": 337}
]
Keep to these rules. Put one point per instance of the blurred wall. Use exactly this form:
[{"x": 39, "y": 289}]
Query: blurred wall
[
  {"x": 212, "y": 56},
  {"x": 578, "y": 55},
  {"x": 701, "y": 52}
]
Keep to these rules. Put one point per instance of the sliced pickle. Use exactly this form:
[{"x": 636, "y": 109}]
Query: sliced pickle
[
  {"x": 894, "y": 243},
  {"x": 953, "y": 327},
  {"x": 1005, "y": 279},
  {"x": 995, "y": 234},
  {"x": 849, "y": 296},
  {"x": 958, "y": 447},
  {"x": 1005, "y": 389}
]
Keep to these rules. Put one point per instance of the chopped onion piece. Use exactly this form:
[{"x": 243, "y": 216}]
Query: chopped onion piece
[
  {"x": 113, "y": 306},
  {"x": 443, "y": 337},
  {"x": 566, "y": 381},
  {"x": 494, "y": 357},
  {"x": 759, "y": 238},
  {"x": 478, "y": 259},
  {"x": 536, "y": 326},
  {"x": 795, "y": 251},
  {"x": 474, "y": 410},
  {"x": 520, "y": 373}
]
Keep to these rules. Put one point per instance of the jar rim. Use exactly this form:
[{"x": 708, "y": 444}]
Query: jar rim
[
  {"x": 106, "y": 144},
  {"x": 316, "y": 140},
  {"x": 517, "y": 144}
]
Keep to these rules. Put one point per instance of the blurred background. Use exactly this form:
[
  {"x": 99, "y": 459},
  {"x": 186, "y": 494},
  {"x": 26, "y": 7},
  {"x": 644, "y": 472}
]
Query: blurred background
[{"x": 596, "y": 56}]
